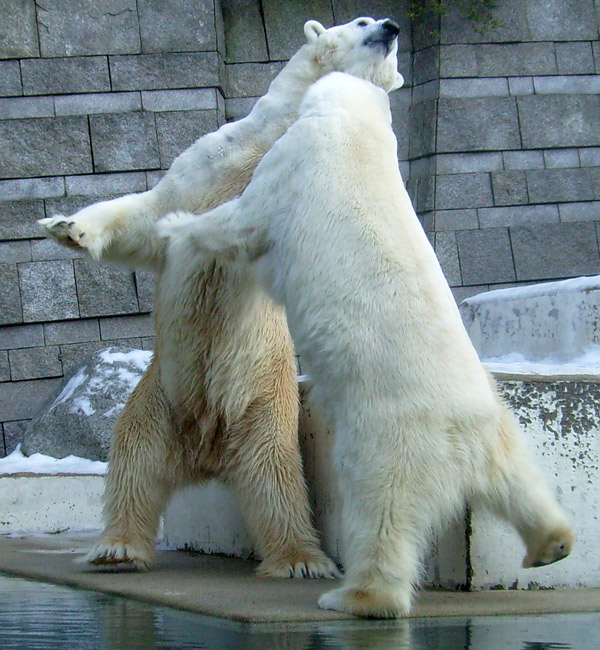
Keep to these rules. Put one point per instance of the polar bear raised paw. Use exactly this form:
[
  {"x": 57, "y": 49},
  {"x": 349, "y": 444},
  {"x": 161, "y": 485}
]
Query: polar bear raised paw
[
  {"x": 68, "y": 232},
  {"x": 120, "y": 552},
  {"x": 309, "y": 564},
  {"x": 555, "y": 547},
  {"x": 63, "y": 230}
]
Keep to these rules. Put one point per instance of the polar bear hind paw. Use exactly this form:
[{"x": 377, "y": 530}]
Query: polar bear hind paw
[
  {"x": 299, "y": 565},
  {"x": 368, "y": 603},
  {"x": 556, "y": 546},
  {"x": 120, "y": 552}
]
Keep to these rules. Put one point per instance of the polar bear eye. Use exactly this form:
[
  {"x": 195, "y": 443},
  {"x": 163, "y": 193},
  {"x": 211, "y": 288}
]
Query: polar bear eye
[{"x": 362, "y": 23}]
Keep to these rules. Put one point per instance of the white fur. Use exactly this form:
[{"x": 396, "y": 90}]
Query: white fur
[
  {"x": 218, "y": 166},
  {"x": 328, "y": 228},
  {"x": 219, "y": 399}
]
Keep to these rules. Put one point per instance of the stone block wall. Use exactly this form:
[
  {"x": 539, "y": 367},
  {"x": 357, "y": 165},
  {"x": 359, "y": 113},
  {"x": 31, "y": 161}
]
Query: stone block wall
[
  {"x": 498, "y": 138},
  {"x": 505, "y": 143}
]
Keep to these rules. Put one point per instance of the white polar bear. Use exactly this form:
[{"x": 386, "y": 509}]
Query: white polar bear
[
  {"x": 219, "y": 399},
  {"x": 327, "y": 226}
]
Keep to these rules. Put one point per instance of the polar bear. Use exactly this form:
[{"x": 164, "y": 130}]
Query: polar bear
[
  {"x": 220, "y": 396},
  {"x": 327, "y": 227}
]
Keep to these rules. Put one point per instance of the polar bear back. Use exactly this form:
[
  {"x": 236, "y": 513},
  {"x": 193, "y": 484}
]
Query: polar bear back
[{"x": 348, "y": 256}]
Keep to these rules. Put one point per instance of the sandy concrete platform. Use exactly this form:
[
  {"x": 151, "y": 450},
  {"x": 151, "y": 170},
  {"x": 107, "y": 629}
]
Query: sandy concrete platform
[{"x": 227, "y": 588}]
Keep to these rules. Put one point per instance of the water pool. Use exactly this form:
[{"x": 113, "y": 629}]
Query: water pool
[{"x": 40, "y": 616}]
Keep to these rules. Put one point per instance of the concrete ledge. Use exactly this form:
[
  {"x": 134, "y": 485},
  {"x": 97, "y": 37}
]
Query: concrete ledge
[
  {"x": 48, "y": 503},
  {"x": 227, "y": 587}
]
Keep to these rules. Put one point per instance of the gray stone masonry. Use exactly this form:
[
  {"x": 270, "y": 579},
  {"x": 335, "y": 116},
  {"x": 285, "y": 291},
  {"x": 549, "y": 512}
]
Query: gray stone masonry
[
  {"x": 45, "y": 147},
  {"x": 498, "y": 141},
  {"x": 80, "y": 74},
  {"x": 104, "y": 290},
  {"x": 124, "y": 141},
  {"x": 556, "y": 251}
]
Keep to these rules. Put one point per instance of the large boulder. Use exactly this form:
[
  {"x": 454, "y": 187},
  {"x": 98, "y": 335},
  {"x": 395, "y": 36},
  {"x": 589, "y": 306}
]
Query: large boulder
[{"x": 81, "y": 418}]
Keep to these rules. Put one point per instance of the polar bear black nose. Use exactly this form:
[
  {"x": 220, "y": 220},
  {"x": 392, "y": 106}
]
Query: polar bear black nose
[{"x": 391, "y": 27}]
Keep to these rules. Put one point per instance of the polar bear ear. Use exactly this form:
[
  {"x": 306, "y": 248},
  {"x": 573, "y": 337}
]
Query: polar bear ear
[
  {"x": 313, "y": 29},
  {"x": 398, "y": 83}
]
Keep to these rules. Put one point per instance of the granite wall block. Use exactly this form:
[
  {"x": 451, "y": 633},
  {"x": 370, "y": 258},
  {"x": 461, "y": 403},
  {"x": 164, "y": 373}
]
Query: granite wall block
[
  {"x": 72, "y": 27},
  {"x": 35, "y": 363},
  {"x": 21, "y": 400},
  {"x": 177, "y": 25},
  {"x": 57, "y": 76},
  {"x": 509, "y": 188},
  {"x": 21, "y": 336},
  {"x": 549, "y": 121},
  {"x": 48, "y": 291},
  {"x": 485, "y": 256},
  {"x": 478, "y": 124},
  {"x": 555, "y": 251},
  {"x": 284, "y": 22},
  {"x": 10, "y": 297},
  {"x": 104, "y": 290},
  {"x": 124, "y": 141},
  {"x": 456, "y": 191},
  {"x": 76, "y": 331},
  {"x": 163, "y": 71},
  {"x": 177, "y": 130},
  {"x": 4, "y": 366},
  {"x": 10, "y": 78},
  {"x": 245, "y": 38},
  {"x": 559, "y": 185},
  {"x": 44, "y": 147},
  {"x": 18, "y": 26}
]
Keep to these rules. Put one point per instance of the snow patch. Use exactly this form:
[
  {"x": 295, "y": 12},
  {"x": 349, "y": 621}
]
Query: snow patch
[
  {"x": 17, "y": 463},
  {"x": 73, "y": 384},
  {"x": 139, "y": 358},
  {"x": 516, "y": 363},
  {"x": 572, "y": 285}
]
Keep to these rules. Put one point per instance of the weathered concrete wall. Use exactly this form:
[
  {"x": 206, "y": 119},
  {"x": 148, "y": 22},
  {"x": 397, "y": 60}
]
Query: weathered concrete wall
[
  {"x": 550, "y": 321},
  {"x": 48, "y": 504},
  {"x": 501, "y": 149}
]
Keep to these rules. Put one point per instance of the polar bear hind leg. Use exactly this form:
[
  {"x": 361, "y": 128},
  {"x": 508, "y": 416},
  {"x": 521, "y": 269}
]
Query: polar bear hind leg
[
  {"x": 265, "y": 470},
  {"x": 518, "y": 493},
  {"x": 385, "y": 523},
  {"x": 137, "y": 488}
]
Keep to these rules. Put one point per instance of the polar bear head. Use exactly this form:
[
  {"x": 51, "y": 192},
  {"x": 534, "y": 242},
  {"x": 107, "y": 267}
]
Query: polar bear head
[{"x": 365, "y": 48}]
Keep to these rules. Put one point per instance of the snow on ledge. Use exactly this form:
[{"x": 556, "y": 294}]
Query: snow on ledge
[
  {"x": 17, "y": 463},
  {"x": 573, "y": 285},
  {"x": 515, "y": 363}
]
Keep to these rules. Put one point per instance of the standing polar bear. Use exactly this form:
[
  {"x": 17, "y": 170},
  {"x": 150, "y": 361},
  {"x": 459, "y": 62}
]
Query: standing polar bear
[
  {"x": 327, "y": 226},
  {"x": 219, "y": 399}
]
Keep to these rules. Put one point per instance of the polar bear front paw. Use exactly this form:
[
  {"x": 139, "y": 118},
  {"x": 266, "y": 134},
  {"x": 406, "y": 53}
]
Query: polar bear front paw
[
  {"x": 120, "y": 552},
  {"x": 311, "y": 564},
  {"x": 69, "y": 231},
  {"x": 63, "y": 230}
]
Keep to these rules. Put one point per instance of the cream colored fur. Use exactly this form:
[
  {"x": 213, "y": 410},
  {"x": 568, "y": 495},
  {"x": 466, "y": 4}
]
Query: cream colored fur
[
  {"x": 220, "y": 396},
  {"x": 327, "y": 226}
]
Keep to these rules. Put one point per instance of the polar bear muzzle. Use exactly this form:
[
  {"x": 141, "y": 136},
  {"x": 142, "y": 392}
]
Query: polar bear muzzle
[{"x": 382, "y": 34}]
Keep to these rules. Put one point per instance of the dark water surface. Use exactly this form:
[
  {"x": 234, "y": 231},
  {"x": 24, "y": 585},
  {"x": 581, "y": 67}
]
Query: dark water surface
[{"x": 39, "y": 616}]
